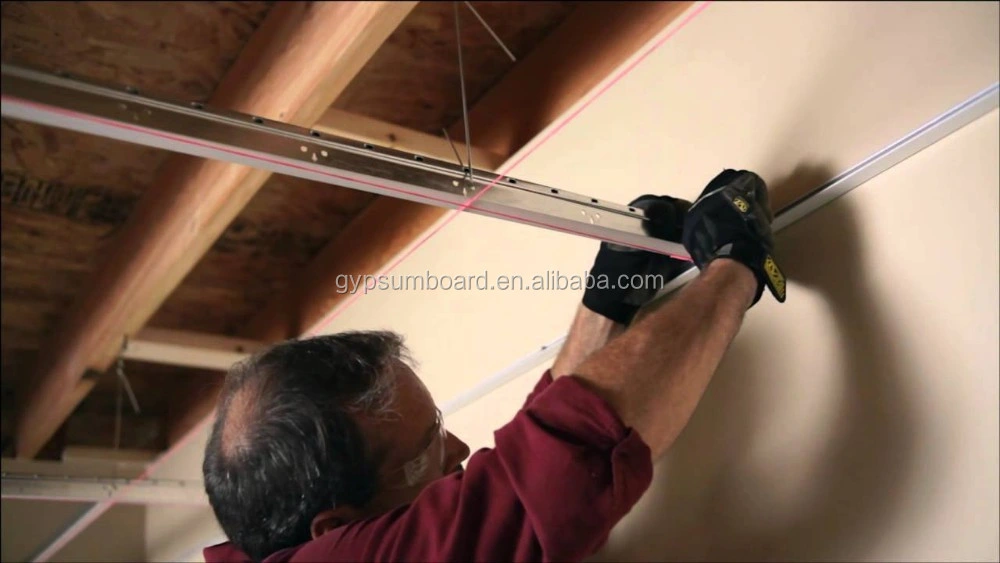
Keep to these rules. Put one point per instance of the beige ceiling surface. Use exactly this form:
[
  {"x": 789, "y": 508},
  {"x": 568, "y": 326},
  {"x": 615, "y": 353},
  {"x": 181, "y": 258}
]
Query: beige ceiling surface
[
  {"x": 795, "y": 91},
  {"x": 857, "y": 421}
]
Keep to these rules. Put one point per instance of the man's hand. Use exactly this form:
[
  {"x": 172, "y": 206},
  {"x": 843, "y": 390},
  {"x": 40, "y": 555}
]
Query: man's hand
[
  {"x": 654, "y": 373},
  {"x": 732, "y": 219},
  {"x": 620, "y": 302}
]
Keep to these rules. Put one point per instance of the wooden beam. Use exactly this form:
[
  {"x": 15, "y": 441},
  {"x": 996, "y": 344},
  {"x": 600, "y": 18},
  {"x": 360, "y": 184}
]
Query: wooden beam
[
  {"x": 369, "y": 130},
  {"x": 358, "y": 248},
  {"x": 189, "y": 349},
  {"x": 99, "y": 488},
  {"x": 594, "y": 41},
  {"x": 293, "y": 68}
]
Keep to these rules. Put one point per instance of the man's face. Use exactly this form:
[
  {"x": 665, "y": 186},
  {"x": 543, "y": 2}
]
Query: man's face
[{"x": 416, "y": 448}]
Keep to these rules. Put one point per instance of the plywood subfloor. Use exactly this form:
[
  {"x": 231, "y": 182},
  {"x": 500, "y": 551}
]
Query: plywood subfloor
[
  {"x": 421, "y": 59},
  {"x": 65, "y": 194}
]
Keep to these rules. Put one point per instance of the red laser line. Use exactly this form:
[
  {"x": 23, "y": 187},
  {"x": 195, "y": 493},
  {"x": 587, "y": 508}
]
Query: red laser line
[{"x": 332, "y": 315}]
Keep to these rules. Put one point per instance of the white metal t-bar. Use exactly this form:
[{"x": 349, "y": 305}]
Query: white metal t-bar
[
  {"x": 66, "y": 488},
  {"x": 191, "y": 128}
]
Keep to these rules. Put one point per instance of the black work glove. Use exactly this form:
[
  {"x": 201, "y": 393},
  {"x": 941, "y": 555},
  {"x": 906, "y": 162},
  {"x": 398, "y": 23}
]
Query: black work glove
[
  {"x": 665, "y": 220},
  {"x": 732, "y": 219}
]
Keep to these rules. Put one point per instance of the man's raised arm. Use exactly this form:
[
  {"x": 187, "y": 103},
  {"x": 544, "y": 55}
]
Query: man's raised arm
[
  {"x": 608, "y": 305},
  {"x": 654, "y": 373},
  {"x": 578, "y": 456}
]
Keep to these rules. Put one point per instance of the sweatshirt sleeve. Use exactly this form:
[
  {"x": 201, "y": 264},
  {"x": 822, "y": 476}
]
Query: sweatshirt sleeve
[{"x": 563, "y": 472}]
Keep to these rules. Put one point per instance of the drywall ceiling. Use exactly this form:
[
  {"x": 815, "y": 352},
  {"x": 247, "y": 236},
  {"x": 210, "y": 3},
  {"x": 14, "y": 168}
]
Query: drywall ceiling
[
  {"x": 798, "y": 92},
  {"x": 857, "y": 421}
]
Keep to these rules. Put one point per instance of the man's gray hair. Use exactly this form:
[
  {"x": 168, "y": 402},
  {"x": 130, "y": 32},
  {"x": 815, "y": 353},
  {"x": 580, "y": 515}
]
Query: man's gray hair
[
  {"x": 384, "y": 348},
  {"x": 286, "y": 443}
]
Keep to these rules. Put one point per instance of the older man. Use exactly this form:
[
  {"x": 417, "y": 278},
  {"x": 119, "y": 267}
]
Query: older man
[{"x": 331, "y": 448}]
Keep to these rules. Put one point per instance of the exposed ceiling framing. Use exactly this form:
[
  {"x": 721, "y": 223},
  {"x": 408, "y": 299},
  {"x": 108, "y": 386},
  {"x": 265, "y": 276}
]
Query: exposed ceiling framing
[
  {"x": 106, "y": 243},
  {"x": 80, "y": 253},
  {"x": 297, "y": 63},
  {"x": 102, "y": 239}
]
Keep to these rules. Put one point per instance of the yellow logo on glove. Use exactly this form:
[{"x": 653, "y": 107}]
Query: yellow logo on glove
[
  {"x": 741, "y": 204},
  {"x": 777, "y": 278}
]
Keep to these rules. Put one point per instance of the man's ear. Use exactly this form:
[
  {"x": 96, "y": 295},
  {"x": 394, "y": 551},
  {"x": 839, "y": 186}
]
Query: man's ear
[{"x": 333, "y": 518}]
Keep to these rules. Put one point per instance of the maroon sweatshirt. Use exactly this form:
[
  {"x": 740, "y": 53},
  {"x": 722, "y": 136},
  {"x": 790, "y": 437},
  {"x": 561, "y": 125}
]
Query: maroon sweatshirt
[{"x": 564, "y": 471}]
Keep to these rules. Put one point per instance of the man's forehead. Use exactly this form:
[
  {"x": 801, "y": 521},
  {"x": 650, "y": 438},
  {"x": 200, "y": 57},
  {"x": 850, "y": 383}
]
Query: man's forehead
[
  {"x": 411, "y": 419},
  {"x": 410, "y": 391}
]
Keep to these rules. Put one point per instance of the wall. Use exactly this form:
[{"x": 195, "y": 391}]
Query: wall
[
  {"x": 178, "y": 533},
  {"x": 22, "y": 533},
  {"x": 27, "y": 526},
  {"x": 859, "y": 420},
  {"x": 119, "y": 535}
]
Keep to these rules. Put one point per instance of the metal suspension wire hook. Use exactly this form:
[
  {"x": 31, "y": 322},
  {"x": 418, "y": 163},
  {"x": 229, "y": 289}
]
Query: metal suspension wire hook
[
  {"x": 118, "y": 416},
  {"x": 120, "y": 373},
  {"x": 453, "y": 147},
  {"x": 491, "y": 32},
  {"x": 122, "y": 385},
  {"x": 465, "y": 103}
]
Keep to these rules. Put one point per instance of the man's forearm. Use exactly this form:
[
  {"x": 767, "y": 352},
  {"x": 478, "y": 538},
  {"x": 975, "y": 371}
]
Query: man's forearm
[
  {"x": 589, "y": 333},
  {"x": 655, "y": 373}
]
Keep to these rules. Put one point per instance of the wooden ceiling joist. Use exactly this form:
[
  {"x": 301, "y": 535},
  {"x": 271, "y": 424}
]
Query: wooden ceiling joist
[
  {"x": 292, "y": 69},
  {"x": 584, "y": 50},
  {"x": 196, "y": 350}
]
